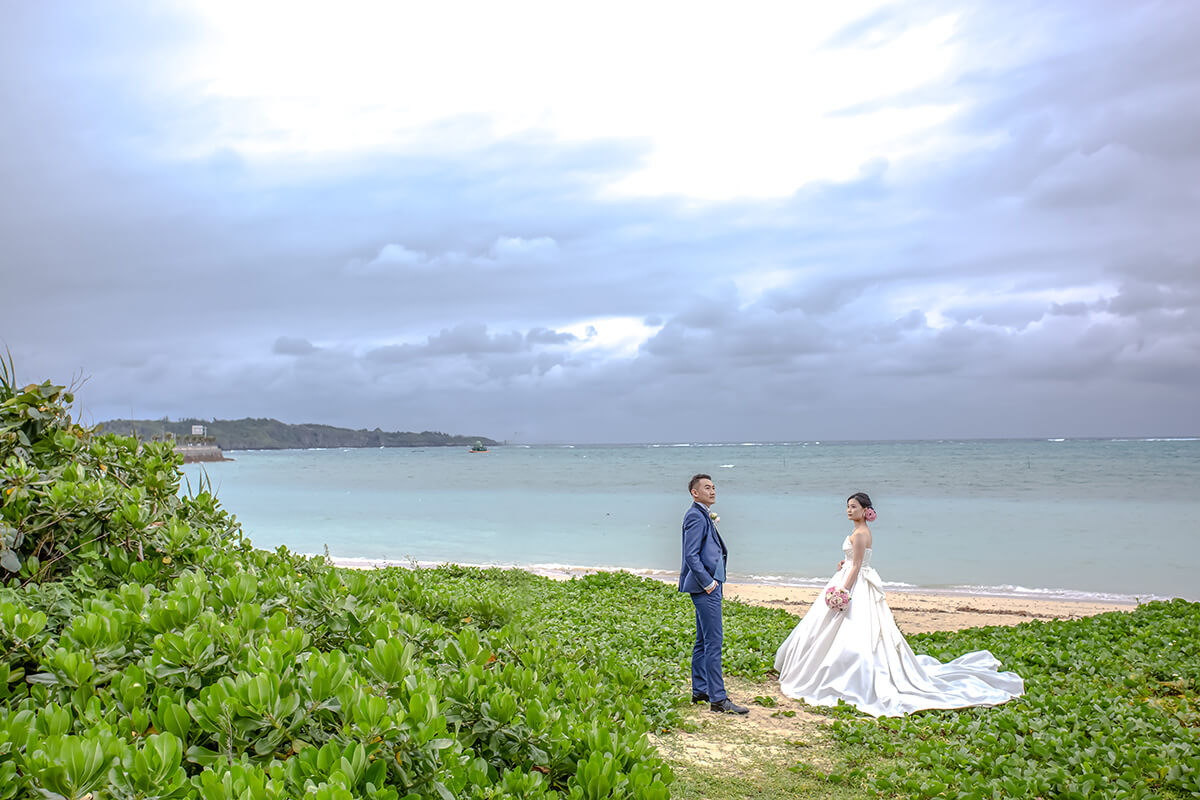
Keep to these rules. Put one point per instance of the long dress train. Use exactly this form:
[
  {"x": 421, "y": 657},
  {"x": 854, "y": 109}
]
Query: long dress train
[{"x": 860, "y": 656}]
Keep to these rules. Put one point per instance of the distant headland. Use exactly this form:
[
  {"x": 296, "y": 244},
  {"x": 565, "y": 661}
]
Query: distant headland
[{"x": 271, "y": 434}]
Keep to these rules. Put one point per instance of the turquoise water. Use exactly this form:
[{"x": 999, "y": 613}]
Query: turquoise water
[{"x": 1088, "y": 518}]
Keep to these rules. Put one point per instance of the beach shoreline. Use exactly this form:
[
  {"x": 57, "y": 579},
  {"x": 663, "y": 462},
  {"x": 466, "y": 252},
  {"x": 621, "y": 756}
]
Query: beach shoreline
[
  {"x": 916, "y": 610},
  {"x": 925, "y": 611}
]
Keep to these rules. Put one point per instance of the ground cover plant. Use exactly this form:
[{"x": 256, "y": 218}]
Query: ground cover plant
[
  {"x": 624, "y": 626},
  {"x": 149, "y": 651},
  {"x": 1110, "y": 711}
]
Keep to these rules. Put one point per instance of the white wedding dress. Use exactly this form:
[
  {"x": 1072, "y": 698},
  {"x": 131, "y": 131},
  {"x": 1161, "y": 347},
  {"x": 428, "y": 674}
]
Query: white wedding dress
[{"x": 860, "y": 656}]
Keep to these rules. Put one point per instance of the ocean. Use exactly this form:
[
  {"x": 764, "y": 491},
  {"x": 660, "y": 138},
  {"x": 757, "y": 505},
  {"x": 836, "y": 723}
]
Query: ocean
[{"x": 1075, "y": 519}]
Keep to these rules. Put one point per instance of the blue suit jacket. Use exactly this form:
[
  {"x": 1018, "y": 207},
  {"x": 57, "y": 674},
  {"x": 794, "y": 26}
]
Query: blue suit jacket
[{"x": 704, "y": 554}]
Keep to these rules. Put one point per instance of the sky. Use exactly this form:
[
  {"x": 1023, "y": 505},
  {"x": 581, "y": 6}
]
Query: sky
[{"x": 617, "y": 222}]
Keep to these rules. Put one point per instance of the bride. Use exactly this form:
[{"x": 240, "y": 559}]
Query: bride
[{"x": 859, "y": 655}]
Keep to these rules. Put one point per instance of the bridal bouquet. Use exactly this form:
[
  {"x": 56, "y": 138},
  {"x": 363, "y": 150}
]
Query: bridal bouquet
[{"x": 837, "y": 599}]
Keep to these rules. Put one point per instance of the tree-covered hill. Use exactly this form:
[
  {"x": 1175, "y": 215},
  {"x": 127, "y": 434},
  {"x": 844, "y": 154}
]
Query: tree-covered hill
[{"x": 271, "y": 434}]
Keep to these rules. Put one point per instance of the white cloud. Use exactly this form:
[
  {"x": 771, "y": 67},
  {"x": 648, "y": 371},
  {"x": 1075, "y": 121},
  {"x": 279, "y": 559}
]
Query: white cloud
[
  {"x": 729, "y": 105},
  {"x": 510, "y": 249},
  {"x": 505, "y": 251},
  {"x": 396, "y": 256},
  {"x": 610, "y": 337}
]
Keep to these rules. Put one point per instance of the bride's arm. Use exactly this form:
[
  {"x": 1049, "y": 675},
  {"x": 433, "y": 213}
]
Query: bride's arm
[{"x": 859, "y": 543}]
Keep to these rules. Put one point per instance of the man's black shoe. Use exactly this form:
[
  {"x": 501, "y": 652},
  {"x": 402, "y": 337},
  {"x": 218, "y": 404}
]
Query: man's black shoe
[
  {"x": 699, "y": 697},
  {"x": 727, "y": 706}
]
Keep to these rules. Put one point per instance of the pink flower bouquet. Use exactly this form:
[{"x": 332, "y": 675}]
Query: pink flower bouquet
[{"x": 837, "y": 599}]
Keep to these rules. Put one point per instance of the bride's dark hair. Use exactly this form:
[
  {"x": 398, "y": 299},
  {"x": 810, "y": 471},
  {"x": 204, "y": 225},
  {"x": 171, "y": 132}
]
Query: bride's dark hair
[{"x": 862, "y": 498}]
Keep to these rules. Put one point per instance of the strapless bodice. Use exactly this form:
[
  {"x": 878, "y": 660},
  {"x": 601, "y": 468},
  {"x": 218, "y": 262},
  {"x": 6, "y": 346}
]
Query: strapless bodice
[{"x": 848, "y": 552}]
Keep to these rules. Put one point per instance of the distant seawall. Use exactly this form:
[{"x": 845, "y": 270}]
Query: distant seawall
[{"x": 194, "y": 453}]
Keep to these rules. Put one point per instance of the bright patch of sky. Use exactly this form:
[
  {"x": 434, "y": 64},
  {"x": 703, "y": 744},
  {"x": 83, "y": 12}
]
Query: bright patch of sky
[
  {"x": 610, "y": 337},
  {"x": 730, "y": 104}
]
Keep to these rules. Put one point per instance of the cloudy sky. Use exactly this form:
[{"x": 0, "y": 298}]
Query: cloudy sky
[{"x": 610, "y": 222}]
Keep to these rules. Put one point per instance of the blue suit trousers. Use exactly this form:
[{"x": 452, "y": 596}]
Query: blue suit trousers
[{"x": 706, "y": 654}]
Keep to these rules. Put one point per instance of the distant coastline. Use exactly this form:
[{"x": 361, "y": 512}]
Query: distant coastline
[{"x": 271, "y": 434}]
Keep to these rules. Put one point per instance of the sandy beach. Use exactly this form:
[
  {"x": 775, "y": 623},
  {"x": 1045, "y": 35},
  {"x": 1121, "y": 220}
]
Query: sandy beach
[
  {"x": 915, "y": 612},
  {"x": 920, "y": 612}
]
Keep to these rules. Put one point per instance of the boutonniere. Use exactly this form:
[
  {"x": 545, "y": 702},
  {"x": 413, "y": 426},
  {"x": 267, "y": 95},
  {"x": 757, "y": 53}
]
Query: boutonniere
[{"x": 713, "y": 516}]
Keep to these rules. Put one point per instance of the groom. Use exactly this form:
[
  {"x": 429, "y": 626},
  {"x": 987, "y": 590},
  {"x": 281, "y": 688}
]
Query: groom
[{"x": 701, "y": 575}]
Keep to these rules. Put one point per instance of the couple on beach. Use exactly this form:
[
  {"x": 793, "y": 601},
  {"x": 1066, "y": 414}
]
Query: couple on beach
[{"x": 847, "y": 647}]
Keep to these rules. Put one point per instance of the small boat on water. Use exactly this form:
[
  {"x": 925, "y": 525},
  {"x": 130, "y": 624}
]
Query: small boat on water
[{"x": 478, "y": 448}]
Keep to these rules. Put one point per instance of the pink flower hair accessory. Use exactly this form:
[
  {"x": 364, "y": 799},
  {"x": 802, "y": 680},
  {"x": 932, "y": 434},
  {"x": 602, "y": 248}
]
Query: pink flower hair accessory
[{"x": 869, "y": 515}]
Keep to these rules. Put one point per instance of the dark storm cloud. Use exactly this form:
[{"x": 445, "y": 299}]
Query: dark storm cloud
[
  {"x": 469, "y": 339},
  {"x": 1138, "y": 297},
  {"x": 732, "y": 340},
  {"x": 543, "y": 336},
  {"x": 1034, "y": 273},
  {"x": 293, "y": 346},
  {"x": 818, "y": 298}
]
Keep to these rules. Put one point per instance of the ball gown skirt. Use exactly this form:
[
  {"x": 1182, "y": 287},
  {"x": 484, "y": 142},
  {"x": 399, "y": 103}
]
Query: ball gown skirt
[{"x": 860, "y": 656}]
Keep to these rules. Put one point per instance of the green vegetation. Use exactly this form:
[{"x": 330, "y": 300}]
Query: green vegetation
[
  {"x": 149, "y": 652},
  {"x": 271, "y": 434},
  {"x": 1110, "y": 711}
]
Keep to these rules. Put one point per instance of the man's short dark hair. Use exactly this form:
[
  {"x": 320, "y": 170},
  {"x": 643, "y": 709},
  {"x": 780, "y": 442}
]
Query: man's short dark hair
[{"x": 696, "y": 479}]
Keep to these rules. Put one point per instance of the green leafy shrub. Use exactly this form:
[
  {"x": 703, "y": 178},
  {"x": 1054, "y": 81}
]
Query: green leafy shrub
[
  {"x": 149, "y": 651},
  {"x": 93, "y": 509},
  {"x": 1109, "y": 712}
]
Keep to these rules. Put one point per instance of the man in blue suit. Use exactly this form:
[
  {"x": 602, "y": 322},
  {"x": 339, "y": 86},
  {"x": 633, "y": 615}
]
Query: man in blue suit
[{"x": 701, "y": 575}]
